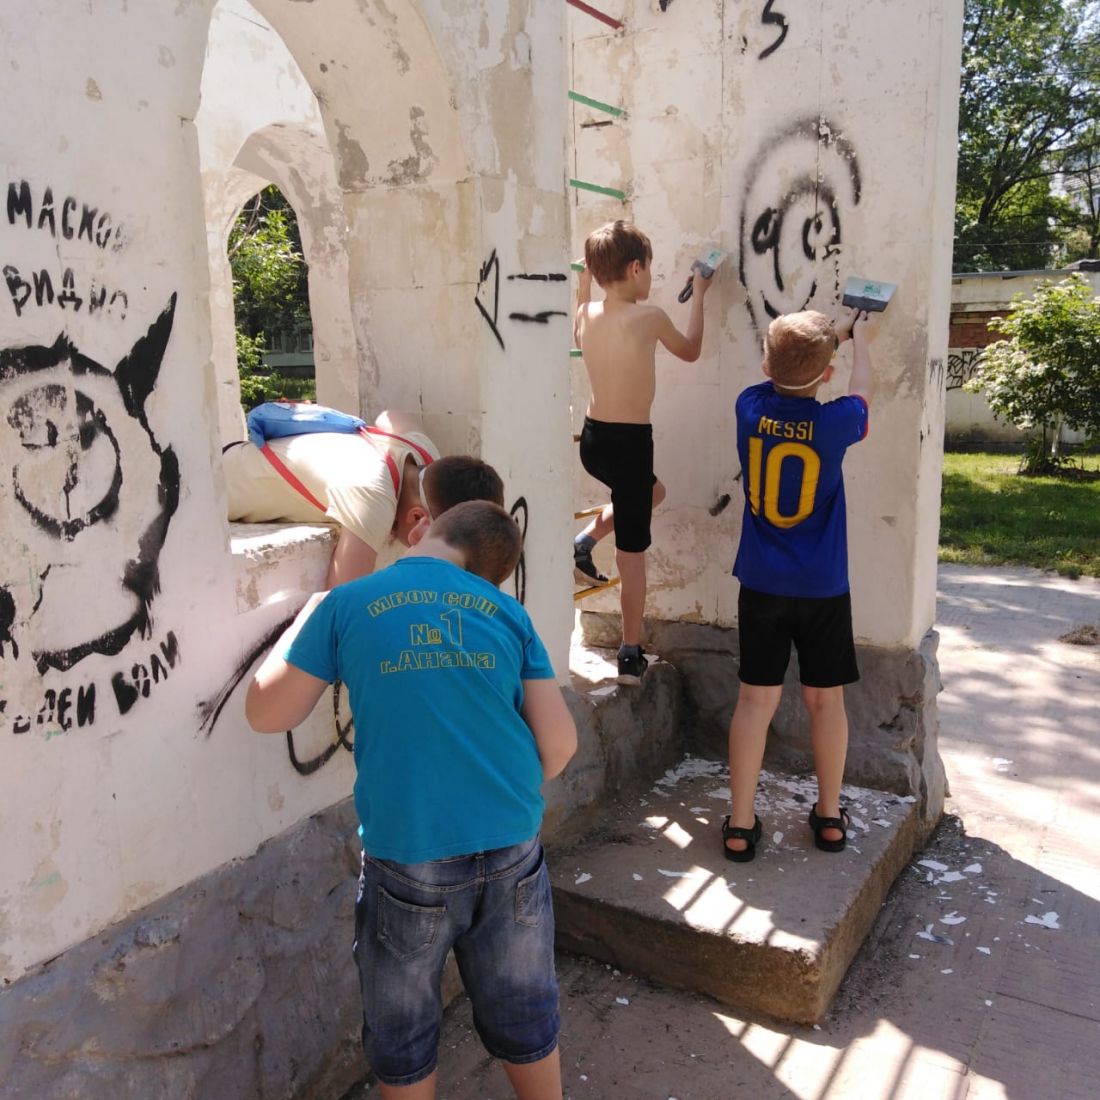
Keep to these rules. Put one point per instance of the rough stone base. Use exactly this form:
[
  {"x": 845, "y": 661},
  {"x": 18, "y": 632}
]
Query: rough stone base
[
  {"x": 242, "y": 983},
  {"x": 239, "y": 984},
  {"x": 627, "y": 737},
  {"x": 654, "y": 895},
  {"x": 892, "y": 716}
]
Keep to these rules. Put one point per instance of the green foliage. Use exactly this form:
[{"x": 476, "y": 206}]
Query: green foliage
[
  {"x": 258, "y": 386},
  {"x": 1081, "y": 180},
  {"x": 270, "y": 293},
  {"x": 1047, "y": 372},
  {"x": 250, "y": 352},
  {"x": 270, "y": 287},
  {"x": 1029, "y": 98},
  {"x": 990, "y": 516}
]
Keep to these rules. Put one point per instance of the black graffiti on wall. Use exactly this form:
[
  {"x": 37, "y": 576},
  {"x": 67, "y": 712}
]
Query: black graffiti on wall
[
  {"x": 40, "y": 285},
  {"x": 518, "y": 512},
  {"x": 211, "y": 709},
  {"x": 773, "y": 18},
  {"x": 64, "y": 220},
  {"x": 87, "y": 499},
  {"x": 541, "y": 318},
  {"x": 74, "y": 706},
  {"x": 68, "y": 220},
  {"x": 962, "y": 365},
  {"x": 344, "y": 738},
  {"x": 791, "y": 234},
  {"x": 487, "y": 296}
]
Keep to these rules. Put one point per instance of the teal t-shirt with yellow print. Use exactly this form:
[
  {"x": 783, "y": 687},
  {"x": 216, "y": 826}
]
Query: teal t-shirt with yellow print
[{"x": 434, "y": 659}]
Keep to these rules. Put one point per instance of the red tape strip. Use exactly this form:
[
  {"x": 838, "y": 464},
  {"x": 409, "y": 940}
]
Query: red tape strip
[{"x": 580, "y": 5}]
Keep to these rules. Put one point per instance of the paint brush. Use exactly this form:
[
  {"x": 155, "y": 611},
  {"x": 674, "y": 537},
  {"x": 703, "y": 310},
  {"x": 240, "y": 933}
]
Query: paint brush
[{"x": 706, "y": 266}]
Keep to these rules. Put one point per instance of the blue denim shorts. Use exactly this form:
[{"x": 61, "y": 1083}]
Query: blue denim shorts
[{"x": 494, "y": 909}]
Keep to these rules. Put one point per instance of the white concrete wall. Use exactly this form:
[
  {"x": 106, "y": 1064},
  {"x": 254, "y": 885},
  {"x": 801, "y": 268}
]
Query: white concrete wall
[
  {"x": 259, "y": 122},
  {"x": 734, "y": 110},
  {"x": 119, "y": 581}
]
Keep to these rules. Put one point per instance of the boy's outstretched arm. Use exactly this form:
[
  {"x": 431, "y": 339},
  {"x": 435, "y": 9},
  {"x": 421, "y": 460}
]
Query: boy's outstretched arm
[
  {"x": 689, "y": 345},
  {"x": 351, "y": 559},
  {"x": 544, "y": 710},
  {"x": 864, "y": 330},
  {"x": 281, "y": 696},
  {"x": 584, "y": 296}
]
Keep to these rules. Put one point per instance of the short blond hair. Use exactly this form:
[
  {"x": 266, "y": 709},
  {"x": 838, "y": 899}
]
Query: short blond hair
[
  {"x": 612, "y": 248},
  {"x": 799, "y": 347}
]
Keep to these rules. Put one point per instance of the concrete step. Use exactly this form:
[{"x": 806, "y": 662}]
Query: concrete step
[{"x": 653, "y": 894}]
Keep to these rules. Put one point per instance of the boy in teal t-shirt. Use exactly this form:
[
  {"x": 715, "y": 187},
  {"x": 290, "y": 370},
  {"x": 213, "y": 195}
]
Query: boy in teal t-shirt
[{"x": 458, "y": 722}]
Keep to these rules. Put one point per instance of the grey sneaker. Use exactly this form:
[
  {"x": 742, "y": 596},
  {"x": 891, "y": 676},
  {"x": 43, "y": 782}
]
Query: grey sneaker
[
  {"x": 584, "y": 568},
  {"x": 632, "y": 665}
]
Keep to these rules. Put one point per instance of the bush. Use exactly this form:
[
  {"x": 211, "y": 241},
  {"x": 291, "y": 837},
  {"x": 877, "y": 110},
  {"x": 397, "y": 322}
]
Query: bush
[
  {"x": 258, "y": 386},
  {"x": 1046, "y": 374}
]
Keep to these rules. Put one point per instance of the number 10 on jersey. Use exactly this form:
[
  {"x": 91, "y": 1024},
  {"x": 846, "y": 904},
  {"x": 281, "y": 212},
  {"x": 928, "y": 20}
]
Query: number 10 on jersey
[{"x": 764, "y": 480}]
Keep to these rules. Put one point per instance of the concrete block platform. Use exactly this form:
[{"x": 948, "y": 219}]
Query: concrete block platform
[{"x": 653, "y": 894}]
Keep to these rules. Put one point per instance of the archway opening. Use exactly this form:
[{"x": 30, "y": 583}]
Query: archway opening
[
  {"x": 276, "y": 228},
  {"x": 272, "y": 320}
]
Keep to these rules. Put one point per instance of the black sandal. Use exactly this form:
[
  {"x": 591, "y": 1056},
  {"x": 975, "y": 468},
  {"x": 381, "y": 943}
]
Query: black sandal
[
  {"x": 820, "y": 824},
  {"x": 751, "y": 837}
]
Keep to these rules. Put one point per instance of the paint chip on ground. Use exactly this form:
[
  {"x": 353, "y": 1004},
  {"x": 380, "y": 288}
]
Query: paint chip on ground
[{"x": 1047, "y": 920}]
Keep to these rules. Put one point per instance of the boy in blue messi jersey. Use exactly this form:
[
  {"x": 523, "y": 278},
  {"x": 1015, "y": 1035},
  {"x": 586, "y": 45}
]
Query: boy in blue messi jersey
[
  {"x": 792, "y": 561},
  {"x": 458, "y": 721}
]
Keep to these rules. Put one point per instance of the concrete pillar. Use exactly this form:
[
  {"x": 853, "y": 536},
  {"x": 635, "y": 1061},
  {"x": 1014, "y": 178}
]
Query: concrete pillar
[{"x": 811, "y": 145}]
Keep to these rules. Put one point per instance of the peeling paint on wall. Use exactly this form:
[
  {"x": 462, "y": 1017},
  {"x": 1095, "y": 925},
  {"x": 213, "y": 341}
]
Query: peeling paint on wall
[{"x": 351, "y": 161}]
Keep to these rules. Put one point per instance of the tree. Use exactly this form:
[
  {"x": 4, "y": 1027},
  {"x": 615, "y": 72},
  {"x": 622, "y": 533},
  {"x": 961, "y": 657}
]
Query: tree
[
  {"x": 270, "y": 292},
  {"x": 270, "y": 278},
  {"x": 1030, "y": 92},
  {"x": 1081, "y": 183},
  {"x": 1046, "y": 374}
]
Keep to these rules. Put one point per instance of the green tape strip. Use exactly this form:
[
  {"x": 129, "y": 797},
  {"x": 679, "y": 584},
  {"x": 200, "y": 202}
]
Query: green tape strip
[
  {"x": 614, "y": 192},
  {"x": 574, "y": 353},
  {"x": 578, "y": 98}
]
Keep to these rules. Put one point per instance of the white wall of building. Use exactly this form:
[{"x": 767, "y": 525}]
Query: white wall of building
[
  {"x": 844, "y": 117},
  {"x": 125, "y": 613}
]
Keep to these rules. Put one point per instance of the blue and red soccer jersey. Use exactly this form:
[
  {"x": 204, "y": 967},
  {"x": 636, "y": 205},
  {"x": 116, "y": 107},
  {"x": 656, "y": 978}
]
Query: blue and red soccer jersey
[{"x": 794, "y": 536}]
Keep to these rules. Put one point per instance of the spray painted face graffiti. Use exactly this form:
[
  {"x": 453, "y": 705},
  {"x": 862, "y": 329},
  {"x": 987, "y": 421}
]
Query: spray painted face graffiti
[
  {"x": 86, "y": 497},
  {"x": 800, "y": 191}
]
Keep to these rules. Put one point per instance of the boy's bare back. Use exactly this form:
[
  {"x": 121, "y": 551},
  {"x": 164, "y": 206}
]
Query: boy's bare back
[
  {"x": 618, "y": 340},
  {"x": 618, "y": 337}
]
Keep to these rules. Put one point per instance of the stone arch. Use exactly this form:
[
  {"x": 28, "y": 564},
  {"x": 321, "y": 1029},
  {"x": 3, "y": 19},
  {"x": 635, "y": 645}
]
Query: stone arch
[
  {"x": 276, "y": 135},
  {"x": 365, "y": 94}
]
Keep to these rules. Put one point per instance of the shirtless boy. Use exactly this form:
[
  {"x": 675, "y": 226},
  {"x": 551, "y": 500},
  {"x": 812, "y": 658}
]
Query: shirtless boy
[{"x": 618, "y": 339}]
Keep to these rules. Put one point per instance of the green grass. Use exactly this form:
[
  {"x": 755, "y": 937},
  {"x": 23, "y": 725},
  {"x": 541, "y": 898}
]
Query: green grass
[{"x": 990, "y": 515}]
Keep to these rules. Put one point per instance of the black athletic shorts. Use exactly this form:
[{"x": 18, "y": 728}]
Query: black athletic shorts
[
  {"x": 821, "y": 630},
  {"x": 621, "y": 456}
]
